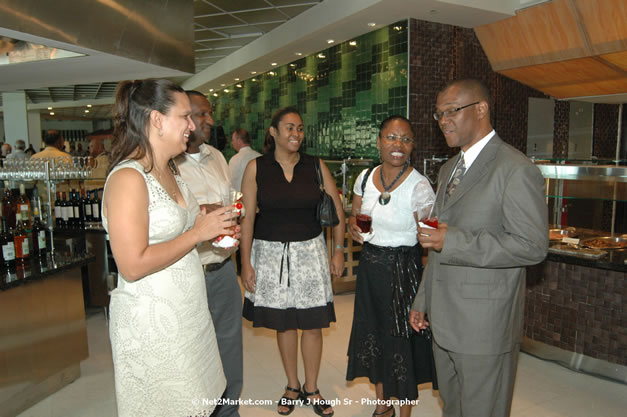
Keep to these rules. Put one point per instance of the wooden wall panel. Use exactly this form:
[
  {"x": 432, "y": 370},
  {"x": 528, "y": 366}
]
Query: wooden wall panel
[{"x": 43, "y": 338}]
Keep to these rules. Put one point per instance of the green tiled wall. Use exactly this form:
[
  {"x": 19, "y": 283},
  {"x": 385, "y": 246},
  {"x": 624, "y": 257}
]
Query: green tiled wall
[{"x": 343, "y": 93}]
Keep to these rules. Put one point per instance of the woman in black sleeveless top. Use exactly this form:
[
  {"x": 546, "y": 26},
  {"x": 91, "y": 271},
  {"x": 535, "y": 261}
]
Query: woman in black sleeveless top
[{"x": 285, "y": 268}]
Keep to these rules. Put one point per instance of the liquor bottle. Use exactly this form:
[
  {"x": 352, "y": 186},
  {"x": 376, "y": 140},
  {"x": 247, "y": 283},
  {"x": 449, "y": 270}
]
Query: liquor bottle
[
  {"x": 86, "y": 206},
  {"x": 8, "y": 246},
  {"x": 67, "y": 212},
  {"x": 20, "y": 239},
  {"x": 24, "y": 207},
  {"x": 8, "y": 208},
  {"x": 39, "y": 235},
  {"x": 77, "y": 210},
  {"x": 95, "y": 207},
  {"x": 58, "y": 212}
]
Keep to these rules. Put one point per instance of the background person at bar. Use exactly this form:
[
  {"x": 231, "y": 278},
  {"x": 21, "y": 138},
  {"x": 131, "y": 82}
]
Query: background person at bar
[
  {"x": 55, "y": 145},
  {"x": 240, "y": 140},
  {"x": 19, "y": 153},
  {"x": 383, "y": 347},
  {"x": 493, "y": 222},
  {"x": 206, "y": 172},
  {"x": 285, "y": 268},
  {"x": 165, "y": 355}
]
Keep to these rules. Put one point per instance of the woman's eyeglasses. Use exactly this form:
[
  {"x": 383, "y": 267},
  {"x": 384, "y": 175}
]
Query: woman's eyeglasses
[{"x": 394, "y": 138}]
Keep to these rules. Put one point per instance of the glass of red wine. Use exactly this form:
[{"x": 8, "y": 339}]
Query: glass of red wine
[
  {"x": 424, "y": 217},
  {"x": 364, "y": 220}
]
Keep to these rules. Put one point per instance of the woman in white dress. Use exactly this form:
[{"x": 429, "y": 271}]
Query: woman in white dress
[{"x": 165, "y": 355}]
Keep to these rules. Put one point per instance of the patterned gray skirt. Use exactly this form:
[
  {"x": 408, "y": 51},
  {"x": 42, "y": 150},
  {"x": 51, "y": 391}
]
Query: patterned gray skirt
[{"x": 293, "y": 285}]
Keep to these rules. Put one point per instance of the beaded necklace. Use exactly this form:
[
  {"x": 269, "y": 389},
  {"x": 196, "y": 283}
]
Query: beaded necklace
[{"x": 385, "y": 196}]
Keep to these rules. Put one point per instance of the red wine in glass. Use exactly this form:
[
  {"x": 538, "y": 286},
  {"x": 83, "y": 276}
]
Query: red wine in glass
[
  {"x": 364, "y": 222},
  {"x": 432, "y": 222}
]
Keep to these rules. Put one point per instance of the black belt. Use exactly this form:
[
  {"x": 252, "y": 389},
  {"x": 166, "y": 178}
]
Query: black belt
[{"x": 215, "y": 266}]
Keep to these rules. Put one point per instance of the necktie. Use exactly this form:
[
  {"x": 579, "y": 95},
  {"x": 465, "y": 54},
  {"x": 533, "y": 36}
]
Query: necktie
[{"x": 460, "y": 169}]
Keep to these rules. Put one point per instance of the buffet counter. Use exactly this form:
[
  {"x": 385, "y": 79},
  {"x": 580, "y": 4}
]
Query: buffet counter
[
  {"x": 43, "y": 337},
  {"x": 587, "y": 247},
  {"x": 574, "y": 306}
]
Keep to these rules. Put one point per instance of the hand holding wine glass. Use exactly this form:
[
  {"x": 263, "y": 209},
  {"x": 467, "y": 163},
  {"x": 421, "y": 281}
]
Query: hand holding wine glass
[
  {"x": 227, "y": 240},
  {"x": 218, "y": 222}
]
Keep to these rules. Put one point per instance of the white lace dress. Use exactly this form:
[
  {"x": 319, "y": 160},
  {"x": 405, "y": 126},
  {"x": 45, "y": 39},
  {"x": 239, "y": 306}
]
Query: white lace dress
[{"x": 165, "y": 356}]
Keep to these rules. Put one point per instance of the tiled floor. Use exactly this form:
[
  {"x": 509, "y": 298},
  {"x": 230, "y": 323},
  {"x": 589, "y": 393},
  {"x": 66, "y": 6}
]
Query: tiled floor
[{"x": 543, "y": 389}]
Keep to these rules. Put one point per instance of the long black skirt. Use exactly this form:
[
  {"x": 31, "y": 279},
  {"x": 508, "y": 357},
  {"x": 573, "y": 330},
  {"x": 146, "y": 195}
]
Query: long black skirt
[{"x": 376, "y": 350}]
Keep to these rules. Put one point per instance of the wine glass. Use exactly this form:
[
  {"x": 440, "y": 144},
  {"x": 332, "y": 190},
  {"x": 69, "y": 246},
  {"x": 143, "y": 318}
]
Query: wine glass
[{"x": 364, "y": 219}]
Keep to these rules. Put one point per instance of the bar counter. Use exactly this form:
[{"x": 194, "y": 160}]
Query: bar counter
[{"x": 43, "y": 337}]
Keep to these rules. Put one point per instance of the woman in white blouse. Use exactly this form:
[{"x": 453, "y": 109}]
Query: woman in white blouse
[{"x": 383, "y": 347}]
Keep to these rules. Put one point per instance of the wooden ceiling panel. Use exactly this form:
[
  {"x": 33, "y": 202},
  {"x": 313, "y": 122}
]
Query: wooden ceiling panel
[
  {"x": 582, "y": 70},
  {"x": 564, "y": 48},
  {"x": 595, "y": 88},
  {"x": 534, "y": 36},
  {"x": 604, "y": 22},
  {"x": 619, "y": 59}
]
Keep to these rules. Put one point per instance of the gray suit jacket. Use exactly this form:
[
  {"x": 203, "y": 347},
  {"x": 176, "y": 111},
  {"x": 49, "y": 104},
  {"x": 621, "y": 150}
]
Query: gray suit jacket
[{"x": 473, "y": 290}]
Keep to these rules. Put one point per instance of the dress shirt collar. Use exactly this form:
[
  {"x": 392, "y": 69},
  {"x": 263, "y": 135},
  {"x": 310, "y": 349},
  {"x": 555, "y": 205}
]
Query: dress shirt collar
[
  {"x": 473, "y": 152},
  {"x": 205, "y": 152}
]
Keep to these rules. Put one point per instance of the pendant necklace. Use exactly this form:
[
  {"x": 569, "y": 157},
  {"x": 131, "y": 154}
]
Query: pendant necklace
[{"x": 385, "y": 196}]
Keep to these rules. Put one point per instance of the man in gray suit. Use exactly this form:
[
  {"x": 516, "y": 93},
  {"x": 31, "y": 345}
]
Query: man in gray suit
[{"x": 493, "y": 222}]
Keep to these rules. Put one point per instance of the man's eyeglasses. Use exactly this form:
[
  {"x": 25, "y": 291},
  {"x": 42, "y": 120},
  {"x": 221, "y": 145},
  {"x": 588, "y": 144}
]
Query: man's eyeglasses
[
  {"x": 394, "y": 138},
  {"x": 448, "y": 113}
]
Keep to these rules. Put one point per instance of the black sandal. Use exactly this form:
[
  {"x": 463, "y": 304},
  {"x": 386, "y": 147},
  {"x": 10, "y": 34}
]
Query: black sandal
[
  {"x": 375, "y": 414},
  {"x": 319, "y": 406},
  {"x": 289, "y": 402}
]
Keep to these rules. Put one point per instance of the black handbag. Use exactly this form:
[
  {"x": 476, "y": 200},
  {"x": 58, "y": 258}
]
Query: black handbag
[{"x": 325, "y": 212}]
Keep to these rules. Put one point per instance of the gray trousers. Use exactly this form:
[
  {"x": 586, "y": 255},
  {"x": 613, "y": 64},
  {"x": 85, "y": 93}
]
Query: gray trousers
[
  {"x": 225, "y": 304},
  {"x": 476, "y": 385}
]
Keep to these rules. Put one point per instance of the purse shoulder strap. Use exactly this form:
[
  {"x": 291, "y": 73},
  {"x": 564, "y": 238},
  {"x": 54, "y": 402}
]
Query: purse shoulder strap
[
  {"x": 365, "y": 180},
  {"x": 319, "y": 174}
]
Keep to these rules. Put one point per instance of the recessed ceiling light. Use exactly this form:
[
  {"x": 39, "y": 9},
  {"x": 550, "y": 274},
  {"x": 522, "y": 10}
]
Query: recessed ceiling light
[
  {"x": 330, "y": 40},
  {"x": 397, "y": 28},
  {"x": 89, "y": 105},
  {"x": 353, "y": 43},
  {"x": 271, "y": 73},
  {"x": 273, "y": 64},
  {"x": 226, "y": 90},
  {"x": 86, "y": 111},
  {"x": 298, "y": 53},
  {"x": 237, "y": 79},
  {"x": 211, "y": 90},
  {"x": 254, "y": 80},
  {"x": 215, "y": 94},
  {"x": 51, "y": 113},
  {"x": 292, "y": 65},
  {"x": 321, "y": 55},
  {"x": 238, "y": 85},
  {"x": 372, "y": 24},
  {"x": 49, "y": 108},
  {"x": 253, "y": 72},
  {"x": 222, "y": 85}
]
